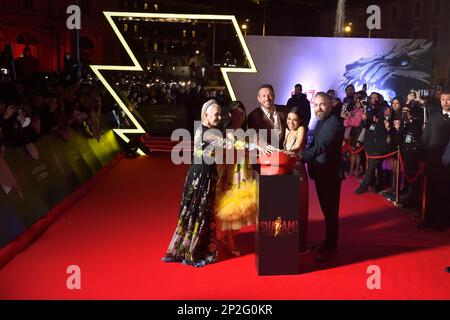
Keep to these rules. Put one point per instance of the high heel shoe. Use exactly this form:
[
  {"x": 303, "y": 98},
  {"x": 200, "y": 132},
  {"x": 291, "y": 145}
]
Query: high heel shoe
[{"x": 233, "y": 251}]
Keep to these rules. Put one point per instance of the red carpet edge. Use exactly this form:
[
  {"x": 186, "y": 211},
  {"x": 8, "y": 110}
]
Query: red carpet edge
[{"x": 13, "y": 248}]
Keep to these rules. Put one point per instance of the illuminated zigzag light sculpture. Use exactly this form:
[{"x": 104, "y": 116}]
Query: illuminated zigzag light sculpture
[{"x": 137, "y": 67}]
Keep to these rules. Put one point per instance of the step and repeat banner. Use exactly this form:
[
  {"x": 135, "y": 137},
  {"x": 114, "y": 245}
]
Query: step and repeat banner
[
  {"x": 29, "y": 188},
  {"x": 162, "y": 120}
]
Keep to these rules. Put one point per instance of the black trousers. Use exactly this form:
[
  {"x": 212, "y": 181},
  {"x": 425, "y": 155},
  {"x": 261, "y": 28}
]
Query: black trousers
[
  {"x": 329, "y": 193},
  {"x": 437, "y": 200},
  {"x": 411, "y": 160},
  {"x": 372, "y": 166}
]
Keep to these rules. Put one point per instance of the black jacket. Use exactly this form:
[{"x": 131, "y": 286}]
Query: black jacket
[
  {"x": 375, "y": 137},
  {"x": 324, "y": 154},
  {"x": 446, "y": 156},
  {"x": 257, "y": 120},
  {"x": 412, "y": 132},
  {"x": 300, "y": 101},
  {"x": 433, "y": 143},
  {"x": 395, "y": 138}
]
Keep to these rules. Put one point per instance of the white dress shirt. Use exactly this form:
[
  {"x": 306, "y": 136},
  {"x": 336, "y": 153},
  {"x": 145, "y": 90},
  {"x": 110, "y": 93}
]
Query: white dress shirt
[{"x": 276, "y": 123}]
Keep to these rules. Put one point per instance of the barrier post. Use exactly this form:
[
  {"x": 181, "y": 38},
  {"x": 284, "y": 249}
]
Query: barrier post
[
  {"x": 424, "y": 198},
  {"x": 397, "y": 178}
]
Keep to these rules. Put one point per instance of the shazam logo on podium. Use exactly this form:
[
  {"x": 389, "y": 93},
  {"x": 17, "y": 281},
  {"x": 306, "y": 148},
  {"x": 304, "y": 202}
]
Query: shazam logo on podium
[{"x": 279, "y": 227}]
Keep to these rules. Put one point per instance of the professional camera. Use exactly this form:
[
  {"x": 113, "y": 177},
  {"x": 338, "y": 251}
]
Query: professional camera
[{"x": 405, "y": 116}]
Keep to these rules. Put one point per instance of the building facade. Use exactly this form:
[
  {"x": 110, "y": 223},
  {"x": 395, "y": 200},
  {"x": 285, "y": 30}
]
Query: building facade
[{"x": 41, "y": 25}]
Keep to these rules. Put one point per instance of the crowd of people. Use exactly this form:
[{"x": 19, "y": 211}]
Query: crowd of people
[
  {"x": 404, "y": 129},
  {"x": 51, "y": 105},
  {"x": 146, "y": 89}
]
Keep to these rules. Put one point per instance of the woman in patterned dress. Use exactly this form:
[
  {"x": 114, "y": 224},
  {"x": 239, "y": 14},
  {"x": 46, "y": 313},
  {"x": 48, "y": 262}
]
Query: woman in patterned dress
[{"x": 194, "y": 241}]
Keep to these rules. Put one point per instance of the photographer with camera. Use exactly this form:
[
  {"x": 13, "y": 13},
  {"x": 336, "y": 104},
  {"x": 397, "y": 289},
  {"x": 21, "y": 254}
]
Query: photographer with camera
[
  {"x": 17, "y": 130},
  {"x": 434, "y": 101},
  {"x": 375, "y": 142},
  {"x": 353, "y": 123},
  {"x": 349, "y": 99},
  {"x": 409, "y": 148},
  {"x": 393, "y": 125},
  {"x": 416, "y": 106}
]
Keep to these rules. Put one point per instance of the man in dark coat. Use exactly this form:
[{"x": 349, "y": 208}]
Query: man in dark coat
[
  {"x": 323, "y": 157},
  {"x": 300, "y": 101},
  {"x": 435, "y": 139},
  {"x": 375, "y": 142},
  {"x": 446, "y": 156}
]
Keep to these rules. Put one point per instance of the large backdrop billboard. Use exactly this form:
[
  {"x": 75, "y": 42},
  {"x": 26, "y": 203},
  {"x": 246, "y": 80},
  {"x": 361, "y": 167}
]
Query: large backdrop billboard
[{"x": 389, "y": 66}]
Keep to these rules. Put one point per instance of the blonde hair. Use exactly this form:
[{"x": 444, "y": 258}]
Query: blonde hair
[{"x": 205, "y": 108}]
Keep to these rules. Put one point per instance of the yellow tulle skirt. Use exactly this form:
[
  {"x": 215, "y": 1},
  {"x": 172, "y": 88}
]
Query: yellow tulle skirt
[{"x": 236, "y": 208}]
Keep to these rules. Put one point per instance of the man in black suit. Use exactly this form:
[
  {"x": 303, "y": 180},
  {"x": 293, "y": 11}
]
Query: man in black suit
[
  {"x": 268, "y": 117},
  {"x": 435, "y": 139},
  {"x": 325, "y": 168},
  {"x": 300, "y": 101},
  {"x": 446, "y": 156}
]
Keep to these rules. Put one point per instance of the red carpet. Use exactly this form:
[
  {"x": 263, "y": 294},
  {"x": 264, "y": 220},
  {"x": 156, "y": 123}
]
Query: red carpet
[
  {"x": 161, "y": 145},
  {"x": 119, "y": 231}
]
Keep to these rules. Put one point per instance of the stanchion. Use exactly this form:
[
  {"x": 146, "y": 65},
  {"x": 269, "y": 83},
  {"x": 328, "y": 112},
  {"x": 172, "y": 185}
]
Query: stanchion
[
  {"x": 400, "y": 166},
  {"x": 424, "y": 198},
  {"x": 383, "y": 156},
  {"x": 397, "y": 178}
]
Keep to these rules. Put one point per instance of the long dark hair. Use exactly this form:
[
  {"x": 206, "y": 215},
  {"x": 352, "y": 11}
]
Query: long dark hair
[
  {"x": 298, "y": 112},
  {"x": 400, "y": 101},
  {"x": 239, "y": 105}
]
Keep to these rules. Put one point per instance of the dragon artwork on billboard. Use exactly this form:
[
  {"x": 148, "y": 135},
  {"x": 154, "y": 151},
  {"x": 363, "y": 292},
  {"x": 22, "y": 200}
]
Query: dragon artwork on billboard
[{"x": 392, "y": 72}]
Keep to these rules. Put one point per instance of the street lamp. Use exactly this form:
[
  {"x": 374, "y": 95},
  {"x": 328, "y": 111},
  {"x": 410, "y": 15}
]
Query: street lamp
[
  {"x": 348, "y": 29},
  {"x": 245, "y": 26}
]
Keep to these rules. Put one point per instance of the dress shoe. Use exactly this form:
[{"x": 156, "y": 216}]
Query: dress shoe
[
  {"x": 389, "y": 196},
  {"x": 304, "y": 250},
  {"x": 323, "y": 247},
  {"x": 409, "y": 205},
  {"x": 361, "y": 190},
  {"x": 377, "y": 190},
  {"x": 233, "y": 250},
  {"x": 324, "y": 256},
  {"x": 424, "y": 225}
]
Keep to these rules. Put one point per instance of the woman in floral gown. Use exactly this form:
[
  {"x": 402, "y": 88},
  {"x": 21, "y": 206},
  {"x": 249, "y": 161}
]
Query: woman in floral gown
[{"x": 194, "y": 241}]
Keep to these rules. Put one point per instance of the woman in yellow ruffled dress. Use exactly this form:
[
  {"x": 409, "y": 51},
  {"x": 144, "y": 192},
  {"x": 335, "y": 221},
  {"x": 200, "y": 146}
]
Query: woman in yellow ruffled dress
[{"x": 235, "y": 205}]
